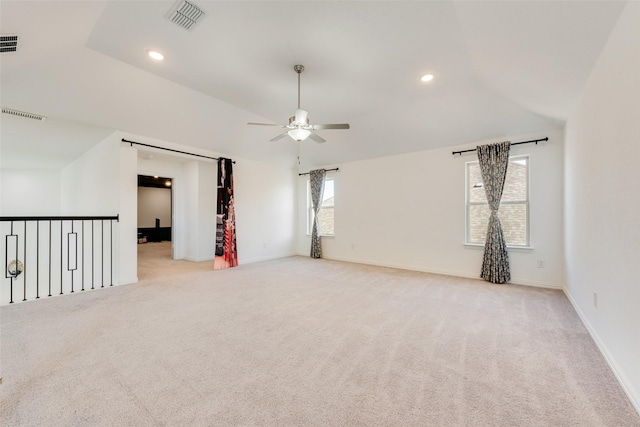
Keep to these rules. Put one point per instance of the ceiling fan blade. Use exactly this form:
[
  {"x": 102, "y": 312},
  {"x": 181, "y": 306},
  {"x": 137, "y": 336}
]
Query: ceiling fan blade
[
  {"x": 301, "y": 116},
  {"x": 265, "y": 124},
  {"x": 316, "y": 138},
  {"x": 331, "y": 126},
  {"x": 282, "y": 135}
]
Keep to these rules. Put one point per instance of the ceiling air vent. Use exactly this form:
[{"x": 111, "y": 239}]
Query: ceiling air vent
[
  {"x": 8, "y": 43},
  {"x": 185, "y": 14},
  {"x": 23, "y": 114}
]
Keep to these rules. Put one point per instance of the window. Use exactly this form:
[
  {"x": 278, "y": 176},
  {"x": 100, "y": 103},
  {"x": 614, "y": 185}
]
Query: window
[
  {"x": 325, "y": 216},
  {"x": 514, "y": 206}
]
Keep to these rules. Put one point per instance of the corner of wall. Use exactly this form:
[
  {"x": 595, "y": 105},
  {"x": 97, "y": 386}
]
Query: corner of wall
[{"x": 618, "y": 372}]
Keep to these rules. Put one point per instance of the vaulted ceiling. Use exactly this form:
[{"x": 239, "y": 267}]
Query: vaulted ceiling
[{"x": 501, "y": 68}]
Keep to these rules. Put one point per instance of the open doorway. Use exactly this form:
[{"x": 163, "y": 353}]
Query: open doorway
[{"x": 155, "y": 196}]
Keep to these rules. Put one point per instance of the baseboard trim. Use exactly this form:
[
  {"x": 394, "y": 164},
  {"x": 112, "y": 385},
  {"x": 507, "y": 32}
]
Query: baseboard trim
[
  {"x": 127, "y": 281},
  {"x": 448, "y": 273},
  {"x": 536, "y": 284},
  {"x": 626, "y": 385},
  {"x": 267, "y": 258},
  {"x": 243, "y": 260},
  {"x": 193, "y": 259}
]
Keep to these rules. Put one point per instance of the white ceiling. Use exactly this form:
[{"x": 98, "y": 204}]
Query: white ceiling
[{"x": 501, "y": 68}]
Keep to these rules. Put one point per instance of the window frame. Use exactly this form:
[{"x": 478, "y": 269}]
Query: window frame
[
  {"x": 526, "y": 202},
  {"x": 310, "y": 212}
]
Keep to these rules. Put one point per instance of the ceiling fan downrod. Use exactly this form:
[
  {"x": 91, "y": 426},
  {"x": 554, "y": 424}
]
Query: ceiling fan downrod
[{"x": 298, "y": 69}]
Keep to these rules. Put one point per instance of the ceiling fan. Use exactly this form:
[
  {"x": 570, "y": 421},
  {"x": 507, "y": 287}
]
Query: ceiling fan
[{"x": 299, "y": 127}]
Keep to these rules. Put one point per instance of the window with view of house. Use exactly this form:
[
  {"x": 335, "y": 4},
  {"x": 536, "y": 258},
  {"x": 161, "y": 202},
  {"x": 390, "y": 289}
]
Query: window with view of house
[
  {"x": 325, "y": 216},
  {"x": 514, "y": 206}
]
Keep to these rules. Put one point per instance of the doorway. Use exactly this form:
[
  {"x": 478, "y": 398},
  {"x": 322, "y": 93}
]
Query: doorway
[{"x": 155, "y": 217}]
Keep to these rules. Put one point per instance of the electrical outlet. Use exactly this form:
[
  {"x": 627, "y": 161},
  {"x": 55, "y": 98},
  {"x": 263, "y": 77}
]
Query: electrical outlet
[
  {"x": 540, "y": 263},
  {"x": 595, "y": 299}
]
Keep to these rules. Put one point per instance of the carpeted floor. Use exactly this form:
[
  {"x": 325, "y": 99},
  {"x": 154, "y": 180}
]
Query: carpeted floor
[
  {"x": 296, "y": 342},
  {"x": 154, "y": 261}
]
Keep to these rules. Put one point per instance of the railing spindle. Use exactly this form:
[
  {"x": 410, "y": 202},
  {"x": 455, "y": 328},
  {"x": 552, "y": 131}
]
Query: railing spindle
[
  {"x": 61, "y": 269},
  {"x": 37, "y": 259},
  {"x": 111, "y": 258},
  {"x": 50, "y": 250},
  {"x": 93, "y": 245},
  {"x": 102, "y": 254},
  {"x": 82, "y": 254},
  {"x": 24, "y": 258},
  {"x": 7, "y": 262},
  {"x": 69, "y": 254}
]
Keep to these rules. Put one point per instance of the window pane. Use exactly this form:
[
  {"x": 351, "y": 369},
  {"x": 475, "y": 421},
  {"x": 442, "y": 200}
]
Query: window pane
[
  {"x": 327, "y": 196},
  {"x": 325, "y": 216},
  {"x": 513, "y": 218},
  {"x": 515, "y": 185},
  {"x": 478, "y": 220},
  {"x": 476, "y": 189},
  {"x": 325, "y": 220}
]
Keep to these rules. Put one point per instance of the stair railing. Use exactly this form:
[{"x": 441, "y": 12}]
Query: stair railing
[{"x": 48, "y": 255}]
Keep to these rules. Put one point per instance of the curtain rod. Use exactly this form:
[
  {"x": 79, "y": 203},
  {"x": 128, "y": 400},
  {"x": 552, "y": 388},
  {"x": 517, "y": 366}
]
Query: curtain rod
[
  {"x": 170, "y": 149},
  {"x": 326, "y": 170},
  {"x": 513, "y": 143}
]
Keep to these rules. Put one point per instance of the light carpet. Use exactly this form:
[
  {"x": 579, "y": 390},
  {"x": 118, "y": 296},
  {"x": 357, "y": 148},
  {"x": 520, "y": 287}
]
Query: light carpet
[{"x": 304, "y": 342}]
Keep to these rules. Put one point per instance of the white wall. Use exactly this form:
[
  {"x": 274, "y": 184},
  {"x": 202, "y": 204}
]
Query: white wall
[
  {"x": 90, "y": 184},
  {"x": 193, "y": 202},
  {"x": 29, "y": 192},
  {"x": 127, "y": 180},
  {"x": 408, "y": 211},
  {"x": 207, "y": 195},
  {"x": 192, "y": 234},
  {"x": 154, "y": 203},
  {"x": 265, "y": 203},
  {"x": 602, "y": 204},
  {"x": 200, "y": 202}
]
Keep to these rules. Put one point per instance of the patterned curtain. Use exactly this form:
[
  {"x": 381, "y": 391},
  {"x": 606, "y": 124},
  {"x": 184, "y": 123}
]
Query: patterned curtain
[
  {"x": 317, "y": 189},
  {"x": 493, "y": 160},
  {"x": 226, "y": 250}
]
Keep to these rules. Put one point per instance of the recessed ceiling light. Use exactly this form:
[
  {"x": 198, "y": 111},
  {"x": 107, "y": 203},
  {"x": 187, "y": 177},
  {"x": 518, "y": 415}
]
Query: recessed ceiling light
[
  {"x": 168, "y": 183},
  {"x": 427, "y": 77},
  {"x": 155, "y": 54}
]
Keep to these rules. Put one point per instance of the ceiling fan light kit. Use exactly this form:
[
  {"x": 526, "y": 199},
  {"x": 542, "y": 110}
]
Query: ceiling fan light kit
[
  {"x": 299, "y": 126},
  {"x": 299, "y": 134}
]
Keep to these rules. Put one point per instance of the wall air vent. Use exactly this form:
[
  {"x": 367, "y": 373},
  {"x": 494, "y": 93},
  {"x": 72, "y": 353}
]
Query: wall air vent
[
  {"x": 185, "y": 14},
  {"x": 8, "y": 43},
  {"x": 23, "y": 114}
]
